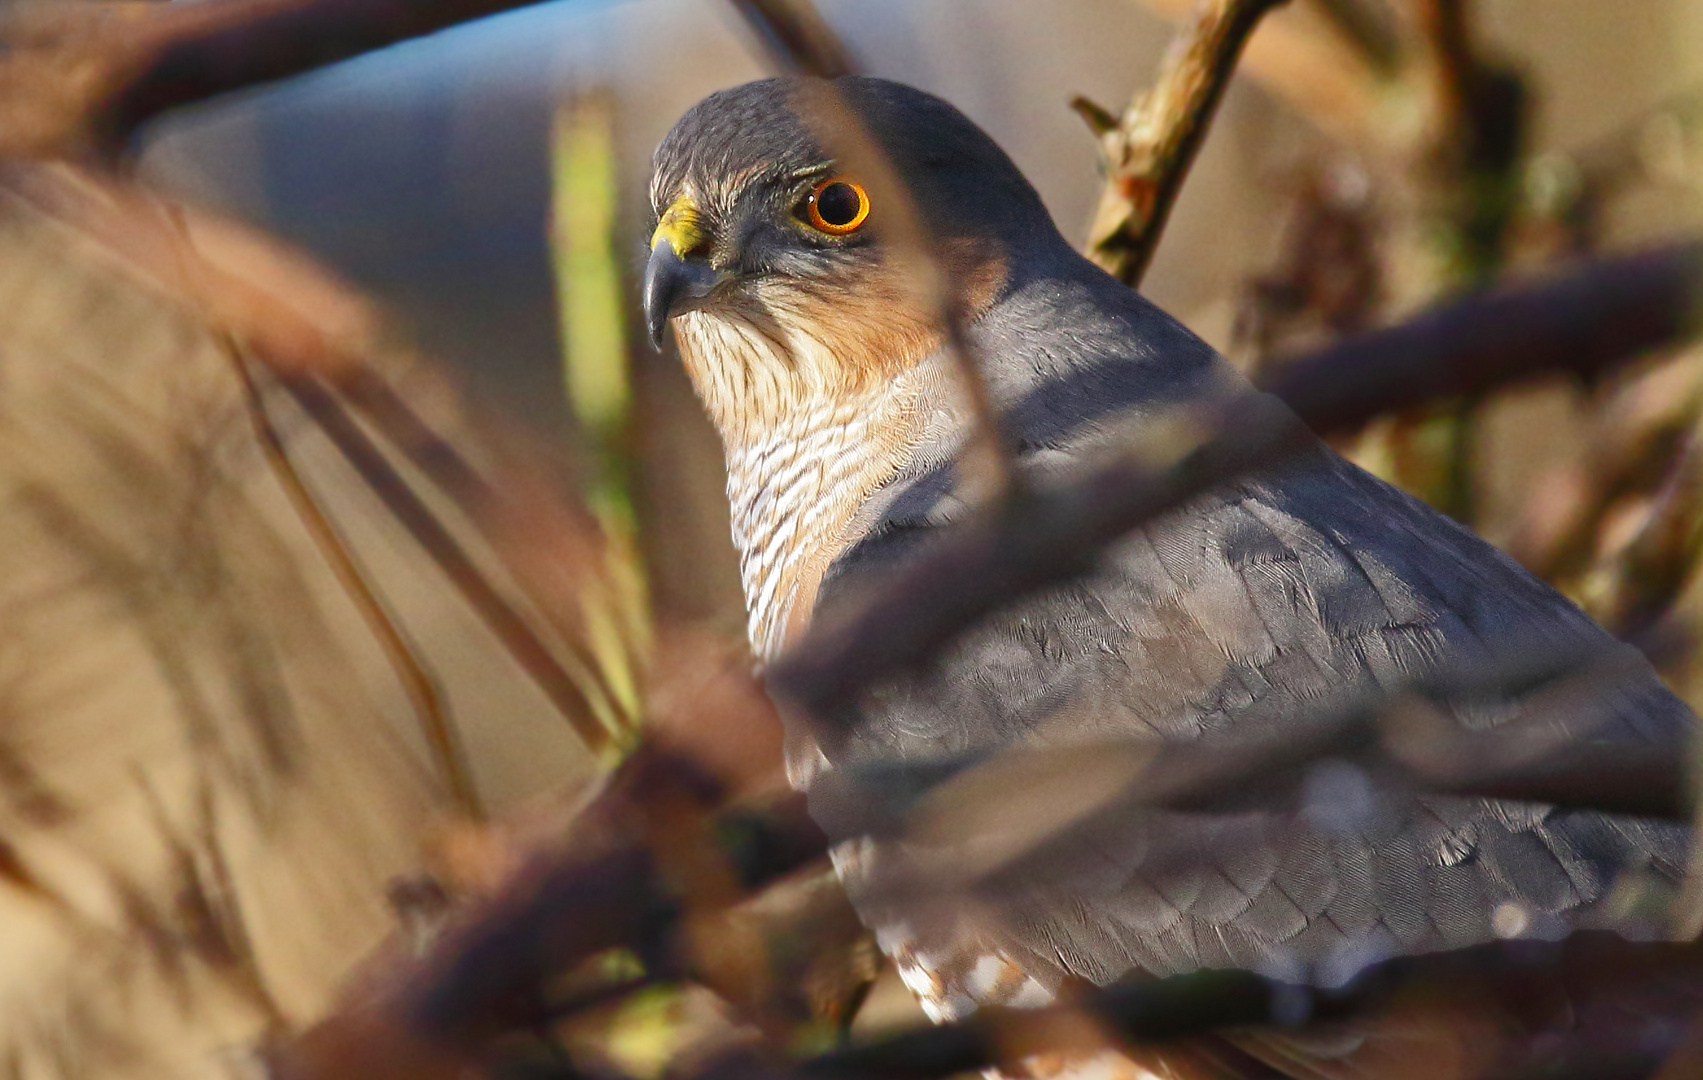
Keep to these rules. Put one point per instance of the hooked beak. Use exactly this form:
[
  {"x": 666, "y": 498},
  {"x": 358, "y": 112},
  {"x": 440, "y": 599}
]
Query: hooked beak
[{"x": 674, "y": 280}]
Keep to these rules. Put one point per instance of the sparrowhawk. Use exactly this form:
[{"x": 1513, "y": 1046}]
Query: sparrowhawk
[{"x": 1250, "y": 614}]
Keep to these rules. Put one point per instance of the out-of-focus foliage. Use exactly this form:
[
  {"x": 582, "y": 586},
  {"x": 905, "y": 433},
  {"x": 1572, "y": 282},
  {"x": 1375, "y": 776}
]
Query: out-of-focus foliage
[
  {"x": 592, "y": 306},
  {"x": 203, "y": 789}
]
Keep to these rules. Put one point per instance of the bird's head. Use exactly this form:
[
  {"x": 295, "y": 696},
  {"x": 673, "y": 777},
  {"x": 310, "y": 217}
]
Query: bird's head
[{"x": 767, "y": 254}]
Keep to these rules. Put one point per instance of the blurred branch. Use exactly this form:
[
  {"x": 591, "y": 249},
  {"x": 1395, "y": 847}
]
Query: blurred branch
[
  {"x": 1582, "y": 322},
  {"x": 504, "y": 621},
  {"x": 1640, "y": 583},
  {"x": 591, "y": 310},
  {"x": 422, "y": 689},
  {"x": 799, "y": 41},
  {"x": 1329, "y": 275},
  {"x": 1482, "y": 114},
  {"x": 632, "y": 866},
  {"x": 1559, "y": 538},
  {"x": 1499, "y": 976},
  {"x": 1148, "y": 151},
  {"x": 1408, "y": 740},
  {"x": 86, "y": 76},
  {"x": 796, "y": 38},
  {"x": 1372, "y": 36},
  {"x": 306, "y": 329},
  {"x": 544, "y": 539},
  {"x": 1165, "y": 1016},
  {"x": 1311, "y": 61},
  {"x": 662, "y": 853}
]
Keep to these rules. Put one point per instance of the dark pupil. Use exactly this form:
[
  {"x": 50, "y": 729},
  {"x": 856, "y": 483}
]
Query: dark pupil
[{"x": 838, "y": 204}]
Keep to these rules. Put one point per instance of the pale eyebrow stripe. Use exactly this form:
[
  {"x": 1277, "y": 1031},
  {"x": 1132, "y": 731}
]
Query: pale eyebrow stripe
[{"x": 757, "y": 173}]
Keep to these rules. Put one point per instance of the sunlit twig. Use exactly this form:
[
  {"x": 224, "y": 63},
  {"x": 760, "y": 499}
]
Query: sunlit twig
[{"x": 1148, "y": 150}]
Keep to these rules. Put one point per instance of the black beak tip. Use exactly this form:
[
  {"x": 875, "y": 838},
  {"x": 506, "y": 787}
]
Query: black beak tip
[
  {"x": 673, "y": 285},
  {"x": 661, "y": 286}
]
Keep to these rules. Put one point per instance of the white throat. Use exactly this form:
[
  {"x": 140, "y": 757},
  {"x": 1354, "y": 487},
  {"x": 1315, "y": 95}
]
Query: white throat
[{"x": 805, "y": 446}]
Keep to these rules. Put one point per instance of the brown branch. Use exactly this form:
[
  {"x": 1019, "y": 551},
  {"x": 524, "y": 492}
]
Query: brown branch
[
  {"x": 1314, "y": 64},
  {"x": 1372, "y": 37},
  {"x": 1638, "y": 586},
  {"x": 1583, "y": 322},
  {"x": 625, "y": 876},
  {"x": 306, "y": 328},
  {"x": 86, "y": 77},
  {"x": 1595, "y": 966},
  {"x": 1406, "y": 738},
  {"x": 795, "y": 37},
  {"x": 421, "y": 688},
  {"x": 1149, "y": 151},
  {"x": 513, "y": 516},
  {"x": 631, "y": 871},
  {"x": 1442, "y": 1000},
  {"x": 500, "y": 616}
]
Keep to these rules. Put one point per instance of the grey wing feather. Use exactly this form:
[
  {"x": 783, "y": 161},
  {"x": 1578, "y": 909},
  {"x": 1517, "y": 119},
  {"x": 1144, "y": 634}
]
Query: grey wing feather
[{"x": 1247, "y": 614}]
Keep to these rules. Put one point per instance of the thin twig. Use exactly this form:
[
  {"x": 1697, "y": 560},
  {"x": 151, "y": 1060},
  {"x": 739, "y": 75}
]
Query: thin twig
[
  {"x": 1584, "y": 322},
  {"x": 1149, "y": 150},
  {"x": 1325, "y": 76},
  {"x": 528, "y": 504},
  {"x": 422, "y": 689},
  {"x": 1640, "y": 584},
  {"x": 417, "y": 682},
  {"x": 518, "y": 638}
]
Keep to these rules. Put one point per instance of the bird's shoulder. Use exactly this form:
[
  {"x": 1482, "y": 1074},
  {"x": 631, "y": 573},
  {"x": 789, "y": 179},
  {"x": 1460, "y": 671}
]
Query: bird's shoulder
[
  {"x": 1257, "y": 603},
  {"x": 1255, "y": 611}
]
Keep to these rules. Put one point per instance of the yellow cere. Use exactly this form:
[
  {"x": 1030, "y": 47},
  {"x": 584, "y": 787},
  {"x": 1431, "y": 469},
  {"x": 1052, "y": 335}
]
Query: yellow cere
[{"x": 679, "y": 228}]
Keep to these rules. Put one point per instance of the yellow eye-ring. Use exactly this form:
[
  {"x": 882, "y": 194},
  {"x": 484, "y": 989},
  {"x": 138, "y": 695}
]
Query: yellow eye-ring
[{"x": 837, "y": 206}]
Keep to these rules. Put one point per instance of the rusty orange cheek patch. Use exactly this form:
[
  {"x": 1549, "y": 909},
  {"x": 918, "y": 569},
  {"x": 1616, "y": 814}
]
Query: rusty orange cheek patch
[{"x": 877, "y": 326}]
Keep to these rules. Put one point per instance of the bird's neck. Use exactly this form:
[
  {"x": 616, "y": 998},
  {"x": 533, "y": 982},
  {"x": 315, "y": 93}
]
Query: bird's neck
[
  {"x": 794, "y": 491},
  {"x": 807, "y": 442}
]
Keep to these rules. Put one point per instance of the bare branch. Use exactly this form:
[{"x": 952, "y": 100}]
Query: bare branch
[
  {"x": 1315, "y": 64},
  {"x": 1373, "y": 37},
  {"x": 1148, "y": 154},
  {"x": 796, "y": 38},
  {"x": 88, "y": 76},
  {"x": 623, "y": 878},
  {"x": 504, "y": 621},
  {"x": 417, "y": 681},
  {"x": 1500, "y": 977}
]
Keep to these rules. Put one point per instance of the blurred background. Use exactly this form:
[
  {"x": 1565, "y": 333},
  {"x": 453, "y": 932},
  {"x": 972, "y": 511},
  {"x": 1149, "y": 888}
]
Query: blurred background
[
  {"x": 445, "y": 180},
  {"x": 423, "y": 172}
]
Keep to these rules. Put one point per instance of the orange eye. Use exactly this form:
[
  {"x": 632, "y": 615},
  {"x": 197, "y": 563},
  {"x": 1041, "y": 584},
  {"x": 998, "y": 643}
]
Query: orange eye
[{"x": 837, "y": 206}]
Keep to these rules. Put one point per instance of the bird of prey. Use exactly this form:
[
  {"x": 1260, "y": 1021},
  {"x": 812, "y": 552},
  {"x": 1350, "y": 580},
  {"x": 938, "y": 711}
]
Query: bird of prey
[{"x": 1247, "y": 617}]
